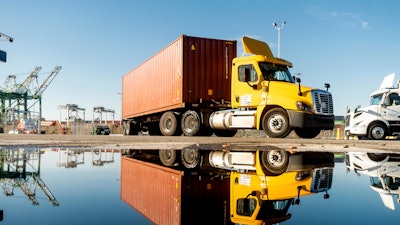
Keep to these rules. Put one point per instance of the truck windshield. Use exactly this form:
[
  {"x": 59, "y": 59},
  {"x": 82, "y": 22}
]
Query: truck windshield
[
  {"x": 391, "y": 183},
  {"x": 275, "y": 72},
  {"x": 271, "y": 209},
  {"x": 376, "y": 99}
]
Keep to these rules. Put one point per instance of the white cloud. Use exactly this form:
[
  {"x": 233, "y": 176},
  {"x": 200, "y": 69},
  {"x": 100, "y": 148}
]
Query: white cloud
[{"x": 344, "y": 18}]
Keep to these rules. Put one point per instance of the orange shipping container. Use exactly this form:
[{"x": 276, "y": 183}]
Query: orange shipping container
[
  {"x": 190, "y": 70},
  {"x": 168, "y": 197}
]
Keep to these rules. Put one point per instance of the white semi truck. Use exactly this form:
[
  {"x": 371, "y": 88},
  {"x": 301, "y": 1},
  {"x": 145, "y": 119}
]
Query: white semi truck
[
  {"x": 383, "y": 170},
  {"x": 381, "y": 118}
]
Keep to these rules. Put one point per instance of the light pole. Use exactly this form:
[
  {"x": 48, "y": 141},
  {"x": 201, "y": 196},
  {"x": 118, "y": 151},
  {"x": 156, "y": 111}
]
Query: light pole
[{"x": 279, "y": 36}]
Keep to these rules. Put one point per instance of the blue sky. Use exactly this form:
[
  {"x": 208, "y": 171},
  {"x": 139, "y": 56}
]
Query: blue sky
[{"x": 350, "y": 44}]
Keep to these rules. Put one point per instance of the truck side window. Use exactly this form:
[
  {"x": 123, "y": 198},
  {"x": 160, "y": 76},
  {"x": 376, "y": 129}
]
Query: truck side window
[
  {"x": 248, "y": 70},
  {"x": 246, "y": 206},
  {"x": 394, "y": 99}
]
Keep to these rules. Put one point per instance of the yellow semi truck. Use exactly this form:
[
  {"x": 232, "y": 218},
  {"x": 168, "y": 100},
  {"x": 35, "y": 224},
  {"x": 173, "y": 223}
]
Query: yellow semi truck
[
  {"x": 203, "y": 88},
  {"x": 258, "y": 187},
  {"x": 257, "y": 197}
]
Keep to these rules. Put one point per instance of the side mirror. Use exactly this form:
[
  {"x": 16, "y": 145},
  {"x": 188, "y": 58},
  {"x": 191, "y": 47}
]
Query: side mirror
[{"x": 327, "y": 86}]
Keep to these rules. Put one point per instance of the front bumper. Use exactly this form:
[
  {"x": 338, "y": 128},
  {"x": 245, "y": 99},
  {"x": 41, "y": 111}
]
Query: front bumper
[{"x": 307, "y": 120}]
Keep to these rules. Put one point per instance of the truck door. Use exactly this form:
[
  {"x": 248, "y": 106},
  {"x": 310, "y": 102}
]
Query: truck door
[
  {"x": 246, "y": 87},
  {"x": 244, "y": 207},
  {"x": 392, "y": 111}
]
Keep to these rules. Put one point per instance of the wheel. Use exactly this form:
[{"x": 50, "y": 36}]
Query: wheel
[
  {"x": 307, "y": 132},
  {"x": 168, "y": 124},
  {"x": 225, "y": 133},
  {"x": 190, "y": 123},
  {"x": 377, "y": 131},
  {"x": 130, "y": 128},
  {"x": 276, "y": 123},
  {"x": 274, "y": 162},
  {"x": 190, "y": 158},
  {"x": 377, "y": 157},
  {"x": 167, "y": 156}
]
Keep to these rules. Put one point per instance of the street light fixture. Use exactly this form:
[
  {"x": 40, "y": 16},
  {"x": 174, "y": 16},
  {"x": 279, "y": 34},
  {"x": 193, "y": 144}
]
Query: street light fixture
[
  {"x": 279, "y": 35},
  {"x": 6, "y": 37}
]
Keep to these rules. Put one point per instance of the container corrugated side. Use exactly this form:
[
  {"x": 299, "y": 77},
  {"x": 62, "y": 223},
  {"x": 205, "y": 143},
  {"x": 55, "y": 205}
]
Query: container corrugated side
[
  {"x": 156, "y": 84},
  {"x": 154, "y": 191},
  {"x": 191, "y": 70}
]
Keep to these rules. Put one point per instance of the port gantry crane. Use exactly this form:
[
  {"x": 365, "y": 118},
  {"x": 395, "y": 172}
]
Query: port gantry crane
[
  {"x": 20, "y": 168},
  {"x": 102, "y": 110},
  {"x": 19, "y": 95}
]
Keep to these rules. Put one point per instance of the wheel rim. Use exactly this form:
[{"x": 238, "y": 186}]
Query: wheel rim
[
  {"x": 167, "y": 156},
  {"x": 190, "y": 157},
  {"x": 378, "y": 132},
  {"x": 127, "y": 128},
  {"x": 190, "y": 123},
  {"x": 276, "y": 158},
  {"x": 276, "y": 123},
  {"x": 169, "y": 124}
]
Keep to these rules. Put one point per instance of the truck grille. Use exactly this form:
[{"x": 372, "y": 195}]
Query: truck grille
[
  {"x": 347, "y": 120},
  {"x": 323, "y": 103},
  {"x": 322, "y": 179}
]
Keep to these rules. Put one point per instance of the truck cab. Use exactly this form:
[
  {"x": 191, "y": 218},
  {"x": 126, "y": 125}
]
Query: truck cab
[
  {"x": 383, "y": 170},
  {"x": 256, "y": 198},
  {"x": 381, "y": 118},
  {"x": 265, "y": 96}
]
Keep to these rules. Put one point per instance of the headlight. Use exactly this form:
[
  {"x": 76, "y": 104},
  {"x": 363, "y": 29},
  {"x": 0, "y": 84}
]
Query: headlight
[
  {"x": 303, "y": 106},
  {"x": 303, "y": 175}
]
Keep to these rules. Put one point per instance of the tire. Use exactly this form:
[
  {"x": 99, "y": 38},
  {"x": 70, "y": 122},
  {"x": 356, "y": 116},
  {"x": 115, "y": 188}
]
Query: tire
[
  {"x": 307, "y": 132},
  {"x": 130, "y": 128},
  {"x": 190, "y": 123},
  {"x": 377, "y": 157},
  {"x": 377, "y": 131},
  {"x": 168, "y": 124},
  {"x": 274, "y": 162},
  {"x": 167, "y": 156},
  {"x": 276, "y": 123},
  {"x": 190, "y": 158}
]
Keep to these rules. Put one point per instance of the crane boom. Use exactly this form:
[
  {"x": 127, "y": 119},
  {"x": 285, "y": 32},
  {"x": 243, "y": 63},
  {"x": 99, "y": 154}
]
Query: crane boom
[
  {"x": 29, "y": 79},
  {"x": 47, "y": 81}
]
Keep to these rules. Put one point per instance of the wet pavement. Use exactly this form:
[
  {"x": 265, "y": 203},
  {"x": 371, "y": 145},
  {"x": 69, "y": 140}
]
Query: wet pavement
[{"x": 83, "y": 186}]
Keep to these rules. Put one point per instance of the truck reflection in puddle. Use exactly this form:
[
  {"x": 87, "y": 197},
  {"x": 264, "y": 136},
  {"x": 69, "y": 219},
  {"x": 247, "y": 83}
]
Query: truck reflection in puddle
[
  {"x": 224, "y": 187},
  {"x": 20, "y": 168},
  {"x": 383, "y": 170}
]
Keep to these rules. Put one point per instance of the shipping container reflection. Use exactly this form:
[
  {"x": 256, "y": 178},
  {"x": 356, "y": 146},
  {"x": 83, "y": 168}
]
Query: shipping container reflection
[
  {"x": 20, "y": 168},
  {"x": 383, "y": 170},
  {"x": 224, "y": 195}
]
